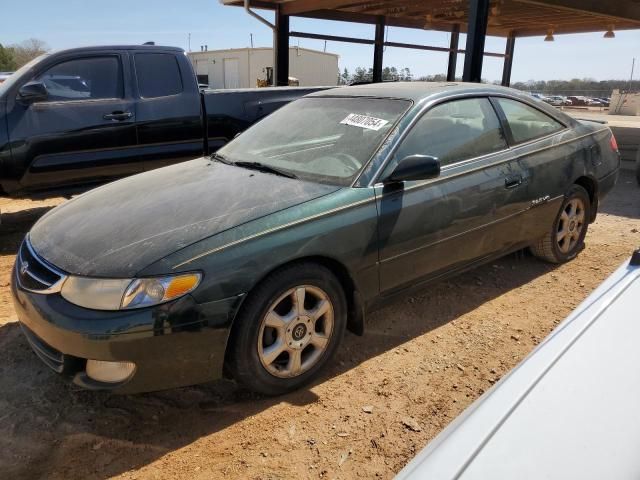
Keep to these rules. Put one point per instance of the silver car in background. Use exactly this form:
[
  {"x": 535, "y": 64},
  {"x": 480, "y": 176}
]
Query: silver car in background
[{"x": 570, "y": 410}]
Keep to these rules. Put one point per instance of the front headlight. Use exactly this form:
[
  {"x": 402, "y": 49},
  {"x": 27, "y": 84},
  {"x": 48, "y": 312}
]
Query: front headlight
[{"x": 123, "y": 294}]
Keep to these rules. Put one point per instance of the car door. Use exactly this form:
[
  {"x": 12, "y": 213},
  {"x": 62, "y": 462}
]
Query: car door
[
  {"x": 430, "y": 227},
  {"x": 547, "y": 163},
  {"x": 83, "y": 131},
  {"x": 169, "y": 120}
]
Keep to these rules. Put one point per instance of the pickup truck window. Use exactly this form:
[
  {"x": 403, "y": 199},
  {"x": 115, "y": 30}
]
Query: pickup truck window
[
  {"x": 84, "y": 79},
  {"x": 455, "y": 131},
  {"x": 527, "y": 123},
  {"x": 324, "y": 139},
  {"x": 152, "y": 84}
]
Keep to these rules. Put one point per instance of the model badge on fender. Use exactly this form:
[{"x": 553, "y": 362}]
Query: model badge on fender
[{"x": 540, "y": 200}]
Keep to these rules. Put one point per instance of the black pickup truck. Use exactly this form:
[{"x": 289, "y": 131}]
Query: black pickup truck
[{"x": 89, "y": 115}]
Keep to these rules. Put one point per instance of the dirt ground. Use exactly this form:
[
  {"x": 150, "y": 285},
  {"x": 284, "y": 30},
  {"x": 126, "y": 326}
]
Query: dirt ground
[{"x": 420, "y": 363}]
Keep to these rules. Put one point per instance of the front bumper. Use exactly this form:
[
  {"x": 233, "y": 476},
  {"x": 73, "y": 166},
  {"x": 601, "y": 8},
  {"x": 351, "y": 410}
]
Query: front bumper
[{"x": 175, "y": 344}]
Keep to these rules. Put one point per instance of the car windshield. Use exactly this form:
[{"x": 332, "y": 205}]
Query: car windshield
[{"x": 321, "y": 139}]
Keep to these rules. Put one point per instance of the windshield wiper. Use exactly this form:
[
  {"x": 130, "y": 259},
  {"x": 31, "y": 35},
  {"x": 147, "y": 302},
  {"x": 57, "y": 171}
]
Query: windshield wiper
[
  {"x": 265, "y": 168},
  {"x": 221, "y": 158}
]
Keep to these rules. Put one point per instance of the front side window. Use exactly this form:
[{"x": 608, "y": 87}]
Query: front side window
[
  {"x": 90, "y": 78},
  {"x": 455, "y": 131},
  {"x": 323, "y": 139},
  {"x": 527, "y": 123},
  {"x": 158, "y": 75}
]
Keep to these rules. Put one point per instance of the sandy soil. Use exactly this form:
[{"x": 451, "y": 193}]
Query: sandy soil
[{"x": 421, "y": 362}]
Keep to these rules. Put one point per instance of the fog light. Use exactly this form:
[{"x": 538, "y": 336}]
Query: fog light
[{"x": 110, "y": 372}]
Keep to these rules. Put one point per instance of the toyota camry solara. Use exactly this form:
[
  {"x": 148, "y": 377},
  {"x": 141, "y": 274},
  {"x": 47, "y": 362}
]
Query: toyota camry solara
[{"x": 253, "y": 262}]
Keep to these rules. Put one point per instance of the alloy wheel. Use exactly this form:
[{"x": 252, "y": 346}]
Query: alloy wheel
[
  {"x": 295, "y": 332},
  {"x": 570, "y": 225}
]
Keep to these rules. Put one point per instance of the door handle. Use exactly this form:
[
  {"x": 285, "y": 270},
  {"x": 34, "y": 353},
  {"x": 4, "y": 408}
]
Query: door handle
[
  {"x": 119, "y": 116},
  {"x": 513, "y": 181}
]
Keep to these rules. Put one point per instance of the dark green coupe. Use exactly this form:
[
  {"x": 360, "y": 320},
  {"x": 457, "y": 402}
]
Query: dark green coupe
[{"x": 254, "y": 262}]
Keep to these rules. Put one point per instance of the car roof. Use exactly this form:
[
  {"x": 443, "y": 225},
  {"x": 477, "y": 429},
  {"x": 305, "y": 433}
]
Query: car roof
[
  {"x": 569, "y": 410},
  {"x": 119, "y": 47},
  {"x": 415, "y": 91}
]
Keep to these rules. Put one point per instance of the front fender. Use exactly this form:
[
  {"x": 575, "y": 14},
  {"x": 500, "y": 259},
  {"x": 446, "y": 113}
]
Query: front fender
[{"x": 340, "y": 227}]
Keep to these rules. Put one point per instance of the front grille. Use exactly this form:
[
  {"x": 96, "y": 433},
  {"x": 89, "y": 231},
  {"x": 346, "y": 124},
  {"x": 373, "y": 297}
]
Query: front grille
[{"x": 34, "y": 273}]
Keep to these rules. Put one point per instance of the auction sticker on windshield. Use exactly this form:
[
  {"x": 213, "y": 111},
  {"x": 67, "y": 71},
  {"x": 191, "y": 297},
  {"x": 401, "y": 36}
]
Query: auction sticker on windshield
[{"x": 364, "y": 121}]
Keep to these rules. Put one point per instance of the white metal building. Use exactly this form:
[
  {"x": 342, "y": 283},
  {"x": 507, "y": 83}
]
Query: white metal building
[
  {"x": 242, "y": 67},
  {"x": 624, "y": 103}
]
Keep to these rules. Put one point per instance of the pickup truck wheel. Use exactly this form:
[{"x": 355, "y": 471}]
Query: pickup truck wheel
[
  {"x": 289, "y": 327},
  {"x": 566, "y": 237}
]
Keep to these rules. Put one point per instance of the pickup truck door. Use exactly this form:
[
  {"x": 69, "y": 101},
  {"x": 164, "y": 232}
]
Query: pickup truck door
[
  {"x": 427, "y": 228},
  {"x": 83, "y": 131},
  {"x": 169, "y": 112}
]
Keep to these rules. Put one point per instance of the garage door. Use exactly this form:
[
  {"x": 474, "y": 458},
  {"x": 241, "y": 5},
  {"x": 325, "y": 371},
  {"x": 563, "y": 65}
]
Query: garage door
[{"x": 231, "y": 73}]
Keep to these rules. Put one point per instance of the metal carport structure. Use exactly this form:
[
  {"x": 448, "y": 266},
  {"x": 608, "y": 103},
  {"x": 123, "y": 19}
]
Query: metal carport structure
[{"x": 476, "y": 18}]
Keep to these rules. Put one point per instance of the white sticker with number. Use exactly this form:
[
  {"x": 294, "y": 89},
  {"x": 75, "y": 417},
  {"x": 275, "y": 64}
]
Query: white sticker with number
[{"x": 364, "y": 121}]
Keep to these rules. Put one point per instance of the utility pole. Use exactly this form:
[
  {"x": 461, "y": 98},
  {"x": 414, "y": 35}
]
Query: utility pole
[{"x": 189, "y": 41}]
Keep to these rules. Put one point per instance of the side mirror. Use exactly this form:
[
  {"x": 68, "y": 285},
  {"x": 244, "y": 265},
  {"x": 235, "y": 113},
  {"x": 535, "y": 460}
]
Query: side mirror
[
  {"x": 415, "y": 167},
  {"x": 33, "y": 92}
]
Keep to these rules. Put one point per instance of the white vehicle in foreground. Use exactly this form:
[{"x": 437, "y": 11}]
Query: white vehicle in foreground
[{"x": 570, "y": 410}]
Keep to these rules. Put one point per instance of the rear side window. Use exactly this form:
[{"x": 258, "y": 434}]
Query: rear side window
[
  {"x": 527, "y": 123},
  {"x": 88, "y": 78},
  {"x": 455, "y": 131},
  {"x": 158, "y": 75}
]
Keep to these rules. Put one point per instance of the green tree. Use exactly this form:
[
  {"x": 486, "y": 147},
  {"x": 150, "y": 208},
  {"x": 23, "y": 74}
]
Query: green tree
[
  {"x": 438, "y": 77},
  {"x": 361, "y": 75},
  {"x": 26, "y": 51},
  {"x": 7, "y": 62},
  {"x": 405, "y": 75},
  {"x": 345, "y": 77}
]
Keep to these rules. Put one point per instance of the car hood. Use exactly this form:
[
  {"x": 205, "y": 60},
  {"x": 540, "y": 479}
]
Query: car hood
[{"x": 119, "y": 229}]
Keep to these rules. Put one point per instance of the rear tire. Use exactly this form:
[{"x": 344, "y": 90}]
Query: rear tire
[
  {"x": 289, "y": 327},
  {"x": 565, "y": 239}
]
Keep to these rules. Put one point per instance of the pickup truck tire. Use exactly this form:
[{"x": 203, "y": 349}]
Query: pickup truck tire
[
  {"x": 565, "y": 238},
  {"x": 288, "y": 328}
]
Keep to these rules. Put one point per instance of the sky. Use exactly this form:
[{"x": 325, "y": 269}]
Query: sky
[{"x": 73, "y": 23}]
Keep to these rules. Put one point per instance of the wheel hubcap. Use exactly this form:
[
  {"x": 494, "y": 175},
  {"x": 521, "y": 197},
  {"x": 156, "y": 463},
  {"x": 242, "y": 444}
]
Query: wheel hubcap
[
  {"x": 296, "y": 331},
  {"x": 570, "y": 225}
]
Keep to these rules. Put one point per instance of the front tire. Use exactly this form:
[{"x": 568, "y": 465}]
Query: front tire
[
  {"x": 288, "y": 329},
  {"x": 565, "y": 238}
]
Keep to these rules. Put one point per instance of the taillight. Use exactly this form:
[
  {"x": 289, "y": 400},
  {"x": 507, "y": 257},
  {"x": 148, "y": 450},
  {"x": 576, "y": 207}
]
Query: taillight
[{"x": 614, "y": 143}]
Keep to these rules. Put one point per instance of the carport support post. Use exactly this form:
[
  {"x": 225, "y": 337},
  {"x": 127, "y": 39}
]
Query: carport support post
[
  {"x": 508, "y": 60},
  {"x": 378, "y": 51},
  {"x": 281, "y": 46},
  {"x": 476, "y": 34},
  {"x": 453, "y": 53}
]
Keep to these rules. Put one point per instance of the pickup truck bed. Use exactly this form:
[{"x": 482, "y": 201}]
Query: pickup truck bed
[{"x": 229, "y": 112}]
